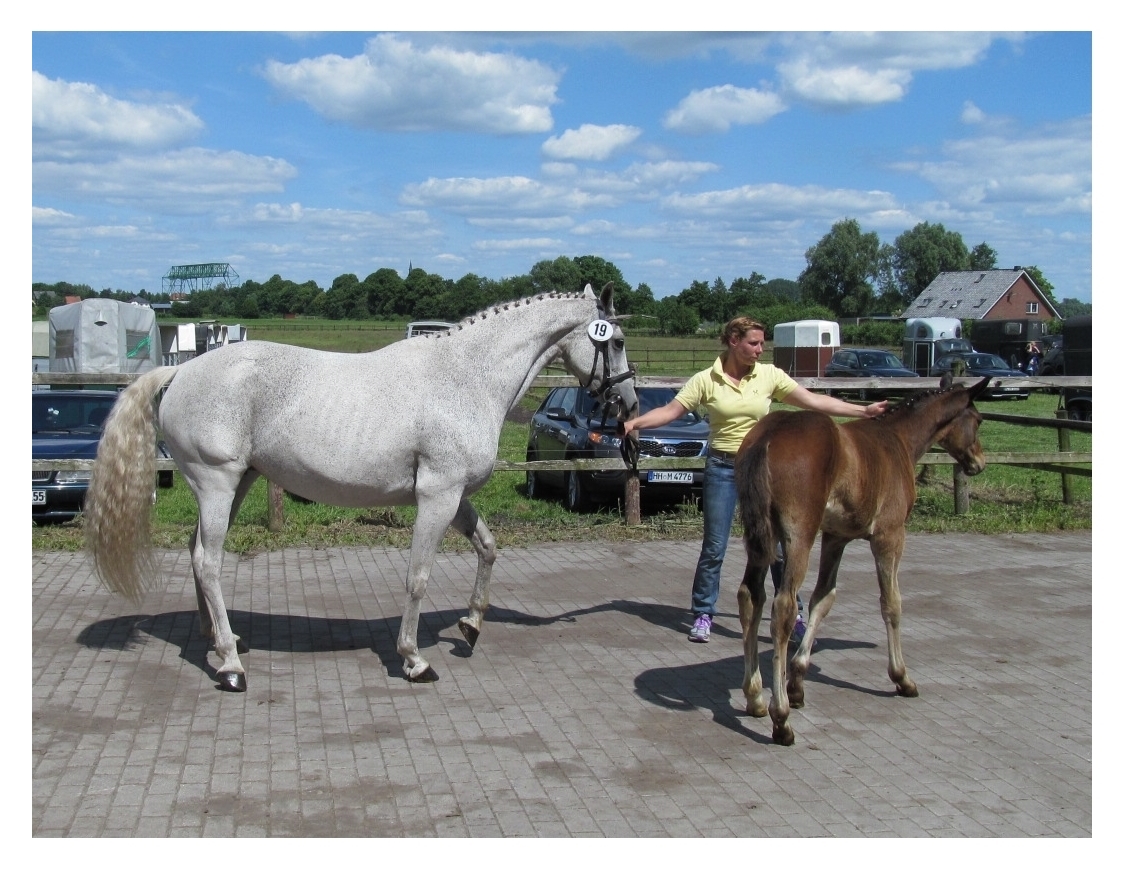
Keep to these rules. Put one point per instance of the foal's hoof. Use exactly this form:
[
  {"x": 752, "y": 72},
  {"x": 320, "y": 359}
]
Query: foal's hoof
[
  {"x": 230, "y": 681},
  {"x": 427, "y": 676},
  {"x": 471, "y": 632}
]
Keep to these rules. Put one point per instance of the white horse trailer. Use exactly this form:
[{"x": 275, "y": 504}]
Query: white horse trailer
[{"x": 803, "y": 348}]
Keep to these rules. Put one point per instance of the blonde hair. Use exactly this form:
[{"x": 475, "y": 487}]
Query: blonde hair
[{"x": 737, "y": 329}]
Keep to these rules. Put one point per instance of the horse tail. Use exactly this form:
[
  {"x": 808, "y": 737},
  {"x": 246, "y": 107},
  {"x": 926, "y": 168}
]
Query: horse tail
[
  {"x": 755, "y": 498},
  {"x": 118, "y": 507}
]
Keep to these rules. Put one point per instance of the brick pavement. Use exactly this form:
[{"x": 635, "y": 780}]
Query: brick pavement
[{"x": 583, "y": 710}]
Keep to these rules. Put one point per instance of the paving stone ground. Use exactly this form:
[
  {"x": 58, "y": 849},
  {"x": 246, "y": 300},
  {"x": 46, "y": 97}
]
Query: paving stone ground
[{"x": 583, "y": 711}]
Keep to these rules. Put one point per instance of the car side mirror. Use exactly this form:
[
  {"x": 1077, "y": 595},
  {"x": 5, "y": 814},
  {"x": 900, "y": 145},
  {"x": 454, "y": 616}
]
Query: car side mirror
[{"x": 558, "y": 414}]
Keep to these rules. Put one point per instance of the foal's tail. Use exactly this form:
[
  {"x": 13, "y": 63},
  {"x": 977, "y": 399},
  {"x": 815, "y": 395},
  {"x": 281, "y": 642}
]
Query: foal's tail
[
  {"x": 118, "y": 505},
  {"x": 755, "y": 498}
]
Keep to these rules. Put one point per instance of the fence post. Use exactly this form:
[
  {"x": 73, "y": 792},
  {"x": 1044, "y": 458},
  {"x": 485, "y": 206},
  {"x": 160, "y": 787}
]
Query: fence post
[
  {"x": 1063, "y": 447},
  {"x": 276, "y": 507},
  {"x": 959, "y": 491},
  {"x": 632, "y": 498}
]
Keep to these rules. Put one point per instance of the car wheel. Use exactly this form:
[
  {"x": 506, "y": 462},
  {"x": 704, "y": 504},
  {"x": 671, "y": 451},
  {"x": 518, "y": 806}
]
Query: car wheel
[{"x": 575, "y": 493}]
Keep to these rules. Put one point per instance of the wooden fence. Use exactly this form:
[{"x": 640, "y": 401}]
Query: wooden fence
[{"x": 1064, "y": 462}]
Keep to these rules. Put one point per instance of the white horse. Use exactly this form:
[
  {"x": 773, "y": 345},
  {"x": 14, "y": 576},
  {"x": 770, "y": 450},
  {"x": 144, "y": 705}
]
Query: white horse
[{"x": 416, "y": 422}]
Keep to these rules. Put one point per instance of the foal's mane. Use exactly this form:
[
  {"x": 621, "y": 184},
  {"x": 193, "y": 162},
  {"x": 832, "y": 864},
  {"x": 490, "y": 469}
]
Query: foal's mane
[
  {"x": 915, "y": 401},
  {"x": 500, "y": 308}
]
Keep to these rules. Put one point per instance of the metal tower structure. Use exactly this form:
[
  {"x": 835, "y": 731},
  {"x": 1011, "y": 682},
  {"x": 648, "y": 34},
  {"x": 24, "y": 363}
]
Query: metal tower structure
[{"x": 200, "y": 276}]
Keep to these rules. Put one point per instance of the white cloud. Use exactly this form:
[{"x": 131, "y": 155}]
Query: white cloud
[
  {"x": 971, "y": 113},
  {"x": 590, "y": 142},
  {"x": 72, "y": 117},
  {"x": 396, "y": 86},
  {"x": 50, "y": 217},
  {"x": 844, "y": 86},
  {"x": 514, "y": 193},
  {"x": 770, "y": 202},
  {"x": 190, "y": 179},
  {"x": 853, "y": 69},
  {"x": 1048, "y": 171},
  {"x": 714, "y": 110}
]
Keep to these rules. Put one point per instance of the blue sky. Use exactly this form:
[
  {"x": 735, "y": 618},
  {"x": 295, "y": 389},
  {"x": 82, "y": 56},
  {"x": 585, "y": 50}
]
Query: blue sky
[{"x": 678, "y": 156}]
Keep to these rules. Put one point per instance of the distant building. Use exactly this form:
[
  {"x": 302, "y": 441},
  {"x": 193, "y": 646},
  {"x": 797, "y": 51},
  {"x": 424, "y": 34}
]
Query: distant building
[{"x": 994, "y": 294}]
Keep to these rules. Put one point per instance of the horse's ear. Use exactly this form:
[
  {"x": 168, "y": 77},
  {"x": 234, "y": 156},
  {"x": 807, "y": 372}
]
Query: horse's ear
[
  {"x": 946, "y": 380},
  {"x": 607, "y": 298},
  {"x": 976, "y": 391}
]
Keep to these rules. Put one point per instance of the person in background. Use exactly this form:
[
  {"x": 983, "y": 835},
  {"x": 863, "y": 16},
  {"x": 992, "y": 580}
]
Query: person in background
[
  {"x": 1034, "y": 358},
  {"x": 736, "y": 392}
]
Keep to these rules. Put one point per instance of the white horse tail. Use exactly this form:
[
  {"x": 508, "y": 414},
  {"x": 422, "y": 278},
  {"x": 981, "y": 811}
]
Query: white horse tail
[{"x": 118, "y": 506}]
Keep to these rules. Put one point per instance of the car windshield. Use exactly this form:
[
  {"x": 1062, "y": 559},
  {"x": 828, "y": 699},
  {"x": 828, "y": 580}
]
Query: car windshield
[
  {"x": 880, "y": 359},
  {"x": 650, "y": 398},
  {"x": 986, "y": 361},
  {"x": 57, "y": 413}
]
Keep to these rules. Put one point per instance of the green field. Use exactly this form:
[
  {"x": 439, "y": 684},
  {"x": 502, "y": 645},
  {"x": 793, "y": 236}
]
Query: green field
[{"x": 1003, "y": 498}]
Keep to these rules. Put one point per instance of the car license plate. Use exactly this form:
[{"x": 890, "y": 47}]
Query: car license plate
[
  {"x": 671, "y": 477},
  {"x": 39, "y": 496}
]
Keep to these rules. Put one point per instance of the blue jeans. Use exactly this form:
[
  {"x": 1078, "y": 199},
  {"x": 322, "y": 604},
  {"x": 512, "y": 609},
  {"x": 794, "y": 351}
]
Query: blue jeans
[{"x": 720, "y": 501}]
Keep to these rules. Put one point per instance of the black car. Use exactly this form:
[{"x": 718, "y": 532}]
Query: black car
[
  {"x": 868, "y": 363},
  {"x": 67, "y": 424},
  {"x": 568, "y": 425},
  {"x": 1006, "y": 382}
]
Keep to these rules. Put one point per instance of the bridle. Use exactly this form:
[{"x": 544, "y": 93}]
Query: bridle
[{"x": 600, "y": 332}]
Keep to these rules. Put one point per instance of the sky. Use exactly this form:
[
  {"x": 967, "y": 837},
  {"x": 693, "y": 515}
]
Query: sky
[{"x": 677, "y": 156}]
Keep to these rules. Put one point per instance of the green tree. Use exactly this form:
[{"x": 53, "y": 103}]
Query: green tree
[
  {"x": 599, "y": 272},
  {"x": 841, "y": 270},
  {"x": 1040, "y": 281},
  {"x": 922, "y": 253},
  {"x": 560, "y": 275},
  {"x": 982, "y": 257},
  {"x": 386, "y": 293},
  {"x": 1074, "y": 307},
  {"x": 676, "y": 317}
]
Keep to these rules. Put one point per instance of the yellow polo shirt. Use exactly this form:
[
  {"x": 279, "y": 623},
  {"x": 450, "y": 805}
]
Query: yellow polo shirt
[{"x": 734, "y": 408}]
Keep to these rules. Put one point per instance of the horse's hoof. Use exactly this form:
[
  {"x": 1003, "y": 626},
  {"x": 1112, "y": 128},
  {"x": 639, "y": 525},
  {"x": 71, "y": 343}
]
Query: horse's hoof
[
  {"x": 908, "y": 691},
  {"x": 757, "y": 710},
  {"x": 783, "y": 735},
  {"x": 471, "y": 632},
  {"x": 231, "y": 681},
  {"x": 427, "y": 676}
]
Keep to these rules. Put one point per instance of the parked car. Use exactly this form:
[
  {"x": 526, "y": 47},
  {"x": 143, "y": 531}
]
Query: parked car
[
  {"x": 1005, "y": 383},
  {"x": 568, "y": 425},
  {"x": 67, "y": 424},
  {"x": 868, "y": 363},
  {"x": 425, "y": 327}
]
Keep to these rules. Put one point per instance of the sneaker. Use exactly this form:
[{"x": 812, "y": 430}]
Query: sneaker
[
  {"x": 799, "y": 629},
  {"x": 700, "y": 633}
]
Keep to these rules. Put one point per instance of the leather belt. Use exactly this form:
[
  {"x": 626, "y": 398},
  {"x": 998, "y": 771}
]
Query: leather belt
[{"x": 722, "y": 454}]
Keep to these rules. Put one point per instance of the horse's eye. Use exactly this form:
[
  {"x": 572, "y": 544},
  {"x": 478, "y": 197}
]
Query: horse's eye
[{"x": 619, "y": 344}]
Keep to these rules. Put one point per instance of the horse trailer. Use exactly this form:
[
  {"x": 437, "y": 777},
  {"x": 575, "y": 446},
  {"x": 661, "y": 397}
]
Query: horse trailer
[
  {"x": 1008, "y": 339},
  {"x": 927, "y": 339},
  {"x": 803, "y": 348}
]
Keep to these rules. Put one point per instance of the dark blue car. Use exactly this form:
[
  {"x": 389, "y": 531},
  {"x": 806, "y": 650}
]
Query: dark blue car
[
  {"x": 868, "y": 363},
  {"x": 67, "y": 424}
]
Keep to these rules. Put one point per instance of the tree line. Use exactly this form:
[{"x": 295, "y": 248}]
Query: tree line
[{"x": 849, "y": 274}]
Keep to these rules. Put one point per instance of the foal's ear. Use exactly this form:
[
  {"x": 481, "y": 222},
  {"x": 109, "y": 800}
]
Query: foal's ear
[
  {"x": 976, "y": 391},
  {"x": 946, "y": 380}
]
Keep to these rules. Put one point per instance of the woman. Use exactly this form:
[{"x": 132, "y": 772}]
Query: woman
[{"x": 735, "y": 392}]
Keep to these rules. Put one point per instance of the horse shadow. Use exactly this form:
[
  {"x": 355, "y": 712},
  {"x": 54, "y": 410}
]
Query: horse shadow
[
  {"x": 695, "y": 686},
  {"x": 283, "y": 633}
]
